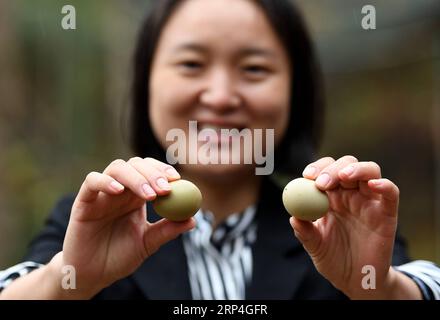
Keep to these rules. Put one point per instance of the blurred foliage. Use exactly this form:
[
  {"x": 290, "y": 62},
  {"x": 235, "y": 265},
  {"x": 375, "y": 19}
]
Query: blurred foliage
[
  {"x": 64, "y": 96},
  {"x": 62, "y": 93}
]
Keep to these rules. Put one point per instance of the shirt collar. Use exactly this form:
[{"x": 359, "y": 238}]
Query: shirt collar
[{"x": 236, "y": 225}]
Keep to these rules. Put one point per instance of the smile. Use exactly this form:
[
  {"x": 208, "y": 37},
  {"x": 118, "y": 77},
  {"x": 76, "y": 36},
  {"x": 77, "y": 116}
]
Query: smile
[{"x": 215, "y": 144}]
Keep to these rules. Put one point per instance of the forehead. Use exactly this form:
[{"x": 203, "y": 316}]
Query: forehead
[{"x": 229, "y": 21}]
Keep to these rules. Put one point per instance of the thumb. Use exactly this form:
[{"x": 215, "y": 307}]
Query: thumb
[
  {"x": 308, "y": 234},
  {"x": 159, "y": 233}
]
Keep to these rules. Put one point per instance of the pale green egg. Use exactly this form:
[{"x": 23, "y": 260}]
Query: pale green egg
[
  {"x": 303, "y": 200},
  {"x": 181, "y": 203}
]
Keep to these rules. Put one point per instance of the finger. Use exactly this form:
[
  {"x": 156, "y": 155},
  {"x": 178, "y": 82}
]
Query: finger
[
  {"x": 314, "y": 169},
  {"x": 156, "y": 178},
  {"x": 388, "y": 190},
  {"x": 355, "y": 174},
  {"x": 329, "y": 176},
  {"x": 167, "y": 169},
  {"x": 360, "y": 171},
  {"x": 161, "y": 232},
  {"x": 307, "y": 233},
  {"x": 128, "y": 176},
  {"x": 97, "y": 182}
]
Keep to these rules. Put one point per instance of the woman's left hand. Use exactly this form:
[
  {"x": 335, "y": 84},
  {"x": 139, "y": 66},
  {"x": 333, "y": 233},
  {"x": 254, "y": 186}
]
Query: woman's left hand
[{"x": 357, "y": 234}]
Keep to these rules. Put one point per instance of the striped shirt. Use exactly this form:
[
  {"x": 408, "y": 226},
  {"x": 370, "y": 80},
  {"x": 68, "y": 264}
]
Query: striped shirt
[
  {"x": 14, "y": 272},
  {"x": 220, "y": 260},
  {"x": 426, "y": 275}
]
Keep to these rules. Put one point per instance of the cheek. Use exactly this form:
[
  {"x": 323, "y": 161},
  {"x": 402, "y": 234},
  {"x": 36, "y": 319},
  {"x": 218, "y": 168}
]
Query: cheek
[
  {"x": 271, "y": 108},
  {"x": 163, "y": 90},
  {"x": 166, "y": 111},
  {"x": 171, "y": 94}
]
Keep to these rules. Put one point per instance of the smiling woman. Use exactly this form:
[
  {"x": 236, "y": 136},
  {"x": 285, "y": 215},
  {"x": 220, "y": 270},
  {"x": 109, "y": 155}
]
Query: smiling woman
[
  {"x": 253, "y": 71},
  {"x": 228, "y": 64}
]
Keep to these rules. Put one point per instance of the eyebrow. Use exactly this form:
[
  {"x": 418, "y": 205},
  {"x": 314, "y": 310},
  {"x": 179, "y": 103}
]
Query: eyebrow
[
  {"x": 190, "y": 46},
  {"x": 249, "y": 51},
  {"x": 255, "y": 51}
]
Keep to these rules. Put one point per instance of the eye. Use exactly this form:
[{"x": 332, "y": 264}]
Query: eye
[
  {"x": 190, "y": 65},
  {"x": 256, "y": 71}
]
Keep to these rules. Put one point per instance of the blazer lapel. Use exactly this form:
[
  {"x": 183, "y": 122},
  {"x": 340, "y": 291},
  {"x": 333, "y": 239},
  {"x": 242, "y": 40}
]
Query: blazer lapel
[
  {"x": 164, "y": 275},
  {"x": 280, "y": 262}
]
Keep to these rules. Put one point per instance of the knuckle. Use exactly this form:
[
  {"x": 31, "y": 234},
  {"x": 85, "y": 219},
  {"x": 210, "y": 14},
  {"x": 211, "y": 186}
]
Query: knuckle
[
  {"x": 117, "y": 163},
  {"x": 393, "y": 186},
  {"x": 167, "y": 167},
  {"x": 328, "y": 159},
  {"x": 115, "y": 166},
  {"x": 134, "y": 160},
  {"x": 92, "y": 180},
  {"x": 154, "y": 161},
  {"x": 349, "y": 158},
  {"x": 374, "y": 164},
  {"x": 92, "y": 176},
  {"x": 154, "y": 176}
]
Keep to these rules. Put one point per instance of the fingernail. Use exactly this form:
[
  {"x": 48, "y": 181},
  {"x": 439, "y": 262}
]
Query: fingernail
[
  {"x": 375, "y": 182},
  {"x": 148, "y": 190},
  {"x": 348, "y": 171},
  {"x": 116, "y": 186},
  {"x": 172, "y": 172},
  {"x": 163, "y": 184},
  {"x": 309, "y": 171},
  {"x": 323, "y": 180}
]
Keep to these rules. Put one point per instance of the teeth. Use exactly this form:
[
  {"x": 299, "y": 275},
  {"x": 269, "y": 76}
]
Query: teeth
[
  {"x": 210, "y": 126},
  {"x": 215, "y": 127}
]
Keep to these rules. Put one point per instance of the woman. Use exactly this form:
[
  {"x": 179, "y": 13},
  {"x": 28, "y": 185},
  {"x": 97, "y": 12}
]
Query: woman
[{"x": 225, "y": 64}]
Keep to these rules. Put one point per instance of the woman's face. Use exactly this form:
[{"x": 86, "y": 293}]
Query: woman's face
[{"x": 219, "y": 63}]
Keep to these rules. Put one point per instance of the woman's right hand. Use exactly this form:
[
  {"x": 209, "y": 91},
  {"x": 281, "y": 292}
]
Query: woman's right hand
[{"x": 108, "y": 236}]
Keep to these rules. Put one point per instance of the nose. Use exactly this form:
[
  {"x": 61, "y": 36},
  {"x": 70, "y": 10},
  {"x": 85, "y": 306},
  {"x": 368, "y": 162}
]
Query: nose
[{"x": 220, "y": 92}]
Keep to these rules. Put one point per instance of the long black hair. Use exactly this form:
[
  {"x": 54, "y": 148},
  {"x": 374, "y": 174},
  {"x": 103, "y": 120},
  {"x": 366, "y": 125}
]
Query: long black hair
[{"x": 303, "y": 134}]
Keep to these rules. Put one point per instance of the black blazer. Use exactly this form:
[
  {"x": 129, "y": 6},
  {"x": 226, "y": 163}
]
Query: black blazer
[{"x": 282, "y": 268}]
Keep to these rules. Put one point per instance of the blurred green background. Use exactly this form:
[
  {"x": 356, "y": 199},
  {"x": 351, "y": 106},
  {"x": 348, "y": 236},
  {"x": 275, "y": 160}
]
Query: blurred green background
[{"x": 64, "y": 95}]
